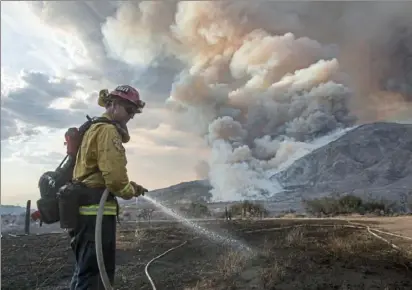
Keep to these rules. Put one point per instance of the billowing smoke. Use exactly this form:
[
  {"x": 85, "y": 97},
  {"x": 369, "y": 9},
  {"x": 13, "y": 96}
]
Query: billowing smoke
[{"x": 258, "y": 90}]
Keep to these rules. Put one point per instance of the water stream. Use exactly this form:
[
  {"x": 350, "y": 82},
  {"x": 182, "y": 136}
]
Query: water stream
[{"x": 219, "y": 238}]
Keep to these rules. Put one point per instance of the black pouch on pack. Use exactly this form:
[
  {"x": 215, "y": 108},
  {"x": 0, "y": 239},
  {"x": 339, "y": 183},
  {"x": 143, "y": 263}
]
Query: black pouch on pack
[
  {"x": 47, "y": 205},
  {"x": 68, "y": 202},
  {"x": 49, "y": 210},
  {"x": 72, "y": 196}
]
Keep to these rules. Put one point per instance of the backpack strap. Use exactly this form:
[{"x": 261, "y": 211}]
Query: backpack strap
[
  {"x": 83, "y": 128},
  {"x": 120, "y": 129},
  {"x": 90, "y": 121}
]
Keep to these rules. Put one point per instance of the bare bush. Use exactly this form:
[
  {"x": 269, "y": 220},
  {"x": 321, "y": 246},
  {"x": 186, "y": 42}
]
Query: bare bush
[
  {"x": 271, "y": 276},
  {"x": 231, "y": 263},
  {"x": 140, "y": 235},
  {"x": 295, "y": 237}
]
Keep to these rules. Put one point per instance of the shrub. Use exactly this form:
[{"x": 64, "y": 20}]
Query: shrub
[
  {"x": 248, "y": 208},
  {"x": 196, "y": 210},
  {"x": 348, "y": 204}
]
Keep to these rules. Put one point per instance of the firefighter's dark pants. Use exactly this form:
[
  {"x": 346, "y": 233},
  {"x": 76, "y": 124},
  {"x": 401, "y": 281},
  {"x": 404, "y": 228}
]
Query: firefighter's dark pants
[{"x": 86, "y": 273}]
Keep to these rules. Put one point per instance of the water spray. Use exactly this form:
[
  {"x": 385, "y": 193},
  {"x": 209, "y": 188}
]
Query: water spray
[{"x": 199, "y": 229}]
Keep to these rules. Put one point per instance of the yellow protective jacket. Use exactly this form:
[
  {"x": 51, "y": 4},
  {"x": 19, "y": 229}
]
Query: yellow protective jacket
[{"x": 102, "y": 148}]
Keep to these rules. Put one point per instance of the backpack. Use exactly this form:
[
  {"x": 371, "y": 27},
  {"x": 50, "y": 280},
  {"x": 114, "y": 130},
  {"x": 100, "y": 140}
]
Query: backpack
[{"x": 50, "y": 182}]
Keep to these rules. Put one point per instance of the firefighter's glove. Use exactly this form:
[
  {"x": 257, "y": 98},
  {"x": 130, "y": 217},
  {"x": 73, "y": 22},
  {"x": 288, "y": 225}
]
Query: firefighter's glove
[{"x": 138, "y": 189}]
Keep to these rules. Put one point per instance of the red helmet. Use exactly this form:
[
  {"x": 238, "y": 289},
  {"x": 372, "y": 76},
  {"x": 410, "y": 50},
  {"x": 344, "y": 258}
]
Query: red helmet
[{"x": 127, "y": 93}]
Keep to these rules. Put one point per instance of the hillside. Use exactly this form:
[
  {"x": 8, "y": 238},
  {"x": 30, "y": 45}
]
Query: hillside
[
  {"x": 191, "y": 191},
  {"x": 374, "y": 160},
  {"x": 11, "y": 209}
]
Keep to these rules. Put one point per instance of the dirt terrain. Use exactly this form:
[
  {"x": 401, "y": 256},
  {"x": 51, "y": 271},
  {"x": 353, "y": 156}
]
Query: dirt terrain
[
  {"x": 400, "y": 225},
  {"x": 286, "y": 254}
]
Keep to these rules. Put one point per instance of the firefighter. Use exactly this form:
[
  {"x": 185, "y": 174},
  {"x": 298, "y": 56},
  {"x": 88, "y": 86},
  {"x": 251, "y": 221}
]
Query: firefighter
[{"x": 102, "y": 149}]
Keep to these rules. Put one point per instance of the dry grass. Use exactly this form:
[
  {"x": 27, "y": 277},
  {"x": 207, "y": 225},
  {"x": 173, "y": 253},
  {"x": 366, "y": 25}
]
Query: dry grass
[
  {"x": 228, "y": 266},
  {"x": 127, "y": 241},
  {"x": 344, "y": 247},
  {"x": 284, "y": 253},
  {"x": 276, "y": 269},
  {"x": 140, "y": 235},
  {"x": 231, "y": 263},
  {"x": 267, "y": 247},
  {"x": 400, "y": 225},
  {"x": 271, "y": 276},
  {"x": 350, "y": 247},
  {"x": 202, "y": 285},
  {"x": 295, "y": 237},
  {"x": 355, "y": 249}
]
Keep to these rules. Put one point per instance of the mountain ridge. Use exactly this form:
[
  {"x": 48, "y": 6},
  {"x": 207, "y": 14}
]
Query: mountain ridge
[{"x": 372, "y": 161}]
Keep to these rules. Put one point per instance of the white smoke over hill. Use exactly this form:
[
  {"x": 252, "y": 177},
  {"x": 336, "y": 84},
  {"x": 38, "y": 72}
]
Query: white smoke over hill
[{"x": 259, "y": 93}]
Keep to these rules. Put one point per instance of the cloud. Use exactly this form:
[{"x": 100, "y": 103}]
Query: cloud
[
  {"x": 246, "y": 76},
  {"x": 8, "y": 125},
  {"x": 46, "y": 158},
  {"x": 79, "y": 18},
  {"x": 30, "y": 104},
  {"x": 27, "y": 42},
  {"x": 57, "y": 102},
  {"x": 86, "y": 21}
]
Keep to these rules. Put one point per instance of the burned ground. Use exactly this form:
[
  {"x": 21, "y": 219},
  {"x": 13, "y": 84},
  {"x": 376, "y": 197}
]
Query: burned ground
[{"x": 299, "y": 256}]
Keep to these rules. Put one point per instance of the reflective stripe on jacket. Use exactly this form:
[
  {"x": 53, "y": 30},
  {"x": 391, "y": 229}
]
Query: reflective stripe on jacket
[{"x": 110, "y": 208}]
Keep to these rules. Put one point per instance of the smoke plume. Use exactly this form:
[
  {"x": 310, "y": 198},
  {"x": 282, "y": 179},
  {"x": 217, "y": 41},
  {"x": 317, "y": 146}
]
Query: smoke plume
[{"x": 255, "y": 84}]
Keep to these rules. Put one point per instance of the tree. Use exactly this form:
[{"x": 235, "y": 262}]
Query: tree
[
  {"x": 349, "y": 204},
  {"x": 248, "y": 209},
  {"x": 146, "y": 214},
  {"x": 196, "y": 210}
]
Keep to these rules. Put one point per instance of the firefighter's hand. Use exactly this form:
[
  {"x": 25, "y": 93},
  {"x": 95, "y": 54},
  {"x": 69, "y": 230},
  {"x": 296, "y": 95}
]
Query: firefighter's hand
[{"x": 138, "y": 189}]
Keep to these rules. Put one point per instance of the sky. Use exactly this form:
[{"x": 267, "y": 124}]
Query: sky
[
  {"x": 41, "y": 97},
  {"x": 233, "y": 89}
]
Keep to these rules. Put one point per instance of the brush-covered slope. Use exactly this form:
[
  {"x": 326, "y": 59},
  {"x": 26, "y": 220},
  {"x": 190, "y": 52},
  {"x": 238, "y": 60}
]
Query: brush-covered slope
[
  {"x": 191, "y": 191},
  {"x": 376, "y": 158}
]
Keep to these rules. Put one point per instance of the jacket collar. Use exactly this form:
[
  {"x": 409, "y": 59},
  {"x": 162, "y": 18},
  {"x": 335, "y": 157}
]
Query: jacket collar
[{"x": 122, "y": 129}]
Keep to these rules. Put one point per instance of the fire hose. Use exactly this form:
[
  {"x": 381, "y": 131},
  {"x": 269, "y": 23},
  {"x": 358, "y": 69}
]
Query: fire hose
[
  {"x": 146, "y": 269},
  {"x": 99, "y": 248},
  {"x": 98, "y": 238}
]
